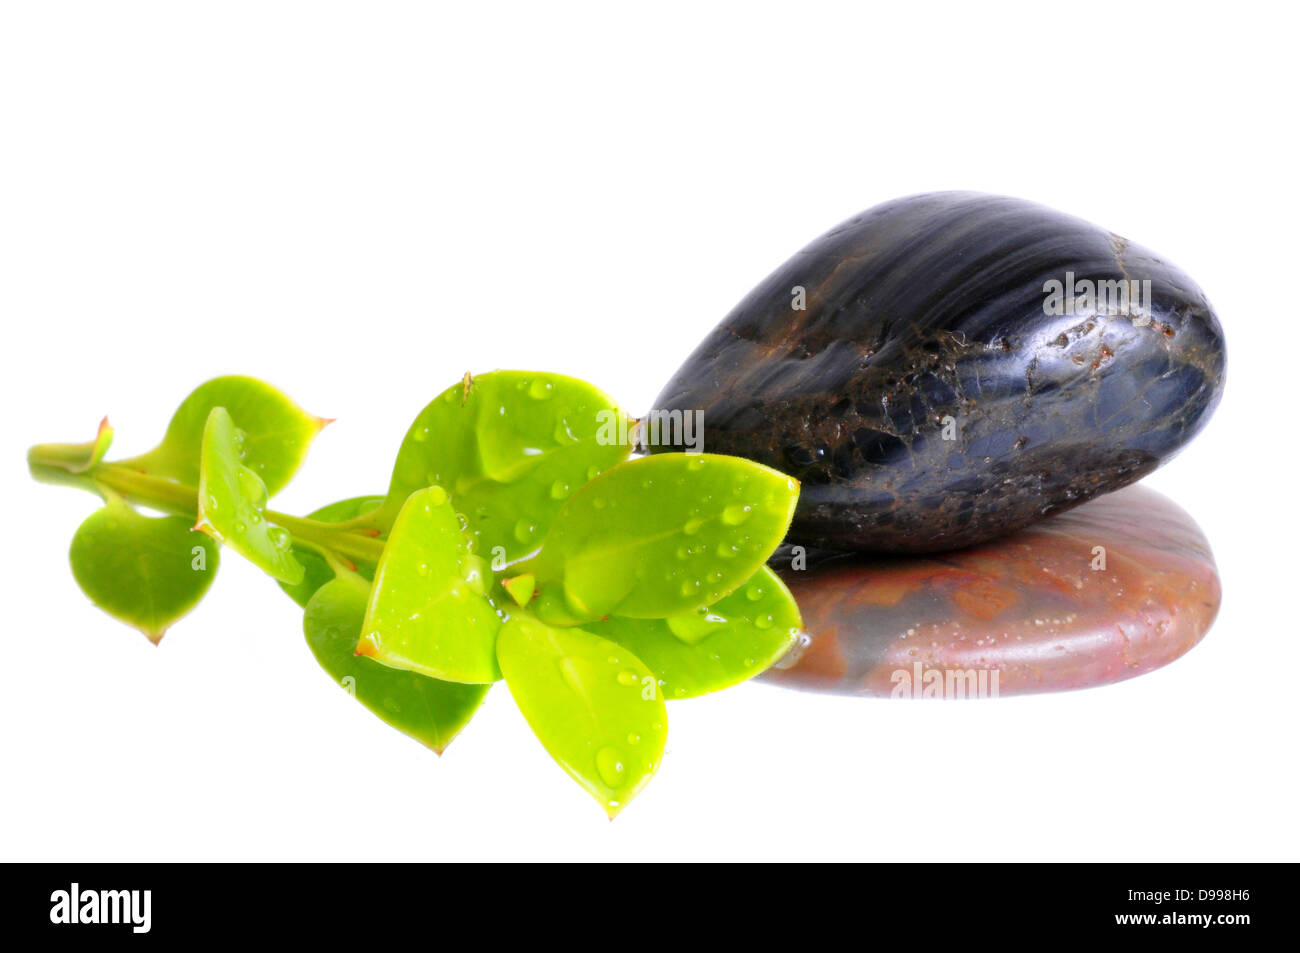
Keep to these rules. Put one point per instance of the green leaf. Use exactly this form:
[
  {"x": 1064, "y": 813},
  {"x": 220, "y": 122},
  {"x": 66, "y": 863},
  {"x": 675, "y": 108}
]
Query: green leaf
[
  {"x": 317, "y": 570},
  {"x": 592, "y": 703},
  {"x": 68, "y": 464},
  {"x": 145, "y": 571},
  {"x": 99, "y": 446},
  {"x": 508, "y": 447},
  {"x": 232, "y": 502},
  {"x": 666, "y": 534},
  {"x": 278, "y": 432},
  {"x": 520, "y": 588},
  {"x": 704, "y": 651},
  {"x": 429, "y": 610},
  {"x": 74, "y": 457},
  {"x": 431, "y": 711},
  {"x": 552, "y": 608}
]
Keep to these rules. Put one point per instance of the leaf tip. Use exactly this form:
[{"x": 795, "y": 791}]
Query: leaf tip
[
  {"x": 153, "y": 635},
  {"x": 367, "y": 647},
  {"x": 322, "y": 422},
  {"x": 522, "y": 588}
]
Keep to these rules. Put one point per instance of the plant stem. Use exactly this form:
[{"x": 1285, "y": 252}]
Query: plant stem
[
  {"x": 177, "y": 499},
  {"x": 341, "y": 541},
  {"x": 157, "y": 493}
]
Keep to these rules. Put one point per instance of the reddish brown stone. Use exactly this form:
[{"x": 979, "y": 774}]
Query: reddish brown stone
[{"x": 1024, "y": 613}]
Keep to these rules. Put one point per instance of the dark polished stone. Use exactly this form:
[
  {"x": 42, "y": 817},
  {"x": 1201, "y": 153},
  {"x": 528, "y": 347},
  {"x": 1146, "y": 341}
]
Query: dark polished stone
[
  {"x": 925, "y": 320},
  {"x": 1045, "y": 608}
]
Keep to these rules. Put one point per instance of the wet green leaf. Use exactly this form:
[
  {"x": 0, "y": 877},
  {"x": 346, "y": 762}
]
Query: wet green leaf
[
  {"x": 144, "y": 571},
  {"x": 278, "y": 432},
  {"x": 700, "y": 652},
  {"x": 429, "y": 610},
  {"x": 317, "y": 570},
  {"x": 552, "y": 608},
  {"x": 592, "y": 703},
  {"x": 429, "y": 710},
  {"x": 232, "y": 502},
  {"x": 520, "y": 588},
  {"x": 666, "y": 534},
  {"x": 509, "y": 450}
]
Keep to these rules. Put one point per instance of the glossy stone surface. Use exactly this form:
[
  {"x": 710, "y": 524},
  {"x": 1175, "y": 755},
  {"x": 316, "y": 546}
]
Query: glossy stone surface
[
  {"x": 925, "y": 319},
  {"x": 1029, "y": 606}
]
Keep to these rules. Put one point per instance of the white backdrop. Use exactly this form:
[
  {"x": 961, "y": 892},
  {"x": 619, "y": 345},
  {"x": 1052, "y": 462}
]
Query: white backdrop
[{"x": 359, "y": 202}]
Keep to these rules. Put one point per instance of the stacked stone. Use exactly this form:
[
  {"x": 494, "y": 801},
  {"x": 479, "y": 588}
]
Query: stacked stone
[{"x": 953, "y": 377}]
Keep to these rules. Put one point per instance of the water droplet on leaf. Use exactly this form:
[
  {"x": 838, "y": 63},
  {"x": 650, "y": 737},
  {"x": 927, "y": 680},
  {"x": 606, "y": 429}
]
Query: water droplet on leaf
[
  {"x": 476, "y": 573},
  {"x": 252, "y": 489},
  {"x": 609, "y": 765},
  {"x": 735, "y": 515}
]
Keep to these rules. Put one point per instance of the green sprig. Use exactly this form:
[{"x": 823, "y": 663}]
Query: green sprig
[{"x": 516, "y": 541}]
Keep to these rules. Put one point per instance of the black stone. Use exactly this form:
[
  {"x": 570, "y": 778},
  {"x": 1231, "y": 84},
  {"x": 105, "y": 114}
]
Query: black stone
[{"x": 931, "y": 307}]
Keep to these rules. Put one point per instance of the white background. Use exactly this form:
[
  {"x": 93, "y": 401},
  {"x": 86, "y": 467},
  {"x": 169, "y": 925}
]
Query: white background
[{"x": 359, "y": 202}]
